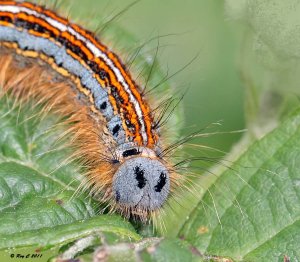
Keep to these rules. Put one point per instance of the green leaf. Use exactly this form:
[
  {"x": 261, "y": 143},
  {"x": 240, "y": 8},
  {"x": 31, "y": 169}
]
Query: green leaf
[
  {"x": 171, "y": 250},
  {"x": 150, "y": 249},
  {"x": 39, "y": 206},
  {"x": 54, "y": 235},
  {"x": 252, "y": 211}
]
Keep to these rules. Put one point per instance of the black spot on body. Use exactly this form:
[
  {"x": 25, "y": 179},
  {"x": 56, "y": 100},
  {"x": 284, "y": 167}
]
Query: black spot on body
[
  {"x": 139, "y": 176},
  {"x": 161, "y": 182},
  {"x": 130, "y": 152},
  {"x": 103, "y": 105},
  {"x": 116, "y": 130}
]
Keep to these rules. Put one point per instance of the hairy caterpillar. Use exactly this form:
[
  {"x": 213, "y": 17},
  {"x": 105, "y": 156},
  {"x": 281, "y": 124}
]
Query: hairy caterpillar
[{"x": 110, "y": 116}]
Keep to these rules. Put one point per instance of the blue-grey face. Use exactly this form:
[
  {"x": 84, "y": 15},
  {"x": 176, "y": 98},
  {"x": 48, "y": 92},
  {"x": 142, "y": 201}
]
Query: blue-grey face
[{"x": 141, "y": 183}]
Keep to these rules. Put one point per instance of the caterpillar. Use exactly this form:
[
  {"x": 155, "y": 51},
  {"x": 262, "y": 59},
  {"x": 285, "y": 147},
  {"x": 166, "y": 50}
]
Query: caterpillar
[{"x": 111, "y": 119}]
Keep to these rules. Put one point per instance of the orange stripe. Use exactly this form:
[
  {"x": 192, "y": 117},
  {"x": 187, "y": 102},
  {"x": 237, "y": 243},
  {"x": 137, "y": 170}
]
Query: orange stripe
[
  {"x": 90, "y": 37},
  {"x": 7, "y": 3},
  {"x": 111, "y": 55},
  {"x": 10, "y": 15},
  {"x": 64, "y": 21}
]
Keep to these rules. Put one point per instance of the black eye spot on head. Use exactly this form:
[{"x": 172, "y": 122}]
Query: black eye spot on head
[
  {"x": 161, "y": 182},
  {"x": 139, "y": 176},
  {"x": 103, "y": 105},
  {"x": 116, "y": 130}
]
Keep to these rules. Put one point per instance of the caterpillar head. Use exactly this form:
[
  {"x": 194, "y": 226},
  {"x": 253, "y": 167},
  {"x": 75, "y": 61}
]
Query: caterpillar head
[{"x": 141, "y": 184}]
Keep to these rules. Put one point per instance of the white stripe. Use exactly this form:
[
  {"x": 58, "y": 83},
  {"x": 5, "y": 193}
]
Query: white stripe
[{"x": 96, "y": 51}]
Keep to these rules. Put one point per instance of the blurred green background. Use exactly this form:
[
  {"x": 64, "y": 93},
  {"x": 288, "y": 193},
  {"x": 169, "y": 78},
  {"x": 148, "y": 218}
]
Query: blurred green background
[
  {"x": 198, "y": 29},
  {"x": 215, "y": 92}
]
